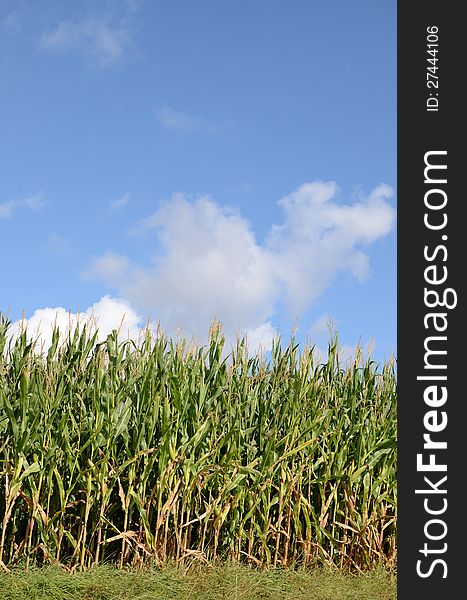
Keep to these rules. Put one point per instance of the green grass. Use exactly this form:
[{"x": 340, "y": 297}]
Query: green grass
[
  {"x": 203, "y": 583},
  {"x": 124, "y": 453}
]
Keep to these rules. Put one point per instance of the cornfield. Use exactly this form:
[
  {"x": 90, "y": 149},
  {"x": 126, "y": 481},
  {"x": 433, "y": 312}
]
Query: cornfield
[{"x": 127, "y": 452}]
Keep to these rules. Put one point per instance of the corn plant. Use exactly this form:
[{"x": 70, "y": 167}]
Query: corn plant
[{"x": 158, "y": 450}]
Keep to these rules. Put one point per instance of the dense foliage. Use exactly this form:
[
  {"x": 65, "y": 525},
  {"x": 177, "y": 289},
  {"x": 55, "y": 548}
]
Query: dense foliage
[{"x": 123, "y": 451}]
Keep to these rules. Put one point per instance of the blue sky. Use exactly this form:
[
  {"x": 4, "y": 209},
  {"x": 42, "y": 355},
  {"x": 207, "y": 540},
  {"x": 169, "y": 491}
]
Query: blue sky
[{"x": 190, "y": 160}]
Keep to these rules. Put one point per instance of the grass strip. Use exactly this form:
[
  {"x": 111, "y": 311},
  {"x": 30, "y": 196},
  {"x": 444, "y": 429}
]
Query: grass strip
[{"x": 200, "y": 583}]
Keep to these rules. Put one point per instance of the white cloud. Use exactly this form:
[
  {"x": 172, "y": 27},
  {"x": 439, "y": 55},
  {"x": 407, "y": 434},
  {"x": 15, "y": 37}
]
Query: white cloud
[
  {"x": 322, "y": 324},
  {"x": 110, "y": 268},
  {"x": 261, "y": 337},
  {"x": 320, "y": 238},
  {"x": 6, "y": 208},
  {"x": 211, "y": 265},
  {"x": 110, "y": 314},
  {"x": 93, "y": 36},
  {"x": 105, "y": 315},
  {"x": 177, "y": 120},
  {"x": 120, "y": 202},
  {"x": 33, "y": 201}
]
